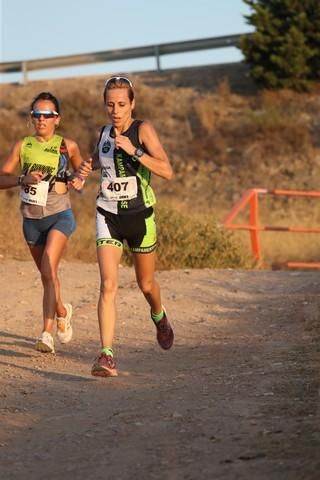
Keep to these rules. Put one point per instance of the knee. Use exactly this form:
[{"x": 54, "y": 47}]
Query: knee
[
  {"x": 108, "y": 288},
  {"x": 48, "y": 275},
  {"x": 146, "y": 285}
]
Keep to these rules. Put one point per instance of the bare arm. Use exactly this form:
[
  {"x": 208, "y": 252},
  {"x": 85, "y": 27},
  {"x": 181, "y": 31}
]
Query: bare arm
[
  {"x": 156, "y": 160},
  {"x": 8, "y": 178},
  {"x": 75, "y": 159},
  {"x": 9, "y": 181},
  {"x": 92, "y": 163},
  {"x": 74, "y": 154},
  {"x": 12, "y": 161}
]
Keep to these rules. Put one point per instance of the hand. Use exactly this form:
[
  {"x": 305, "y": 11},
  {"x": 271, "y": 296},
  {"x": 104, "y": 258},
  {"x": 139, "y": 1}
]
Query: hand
[
  {"x": 121, "y": 141},
  {"x": 74, "y": 180},
  {"x": 77, "y": 183},
  {"x": 32, "y": 178},
  {"x": 85, "y": 168}
]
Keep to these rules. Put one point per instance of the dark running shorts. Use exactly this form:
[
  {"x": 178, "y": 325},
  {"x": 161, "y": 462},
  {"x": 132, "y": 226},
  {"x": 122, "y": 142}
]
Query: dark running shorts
[
  {"x": 138, "y": 229},
  {"x": 36, "y": 230}
]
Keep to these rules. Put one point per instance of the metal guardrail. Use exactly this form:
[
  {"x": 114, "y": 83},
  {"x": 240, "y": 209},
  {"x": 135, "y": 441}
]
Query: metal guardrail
[
  {"x": 251, "y": 199},
  {"x": 24, "y": 66}
]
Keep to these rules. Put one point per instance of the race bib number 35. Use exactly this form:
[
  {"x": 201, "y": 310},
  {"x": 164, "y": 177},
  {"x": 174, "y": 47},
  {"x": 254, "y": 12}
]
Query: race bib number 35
[
  {"x": 117, "y": 189},
  {"x": 36, "y": 194}
]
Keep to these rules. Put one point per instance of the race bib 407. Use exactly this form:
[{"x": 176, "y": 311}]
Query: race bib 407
[{"x": 119, "y": 188}]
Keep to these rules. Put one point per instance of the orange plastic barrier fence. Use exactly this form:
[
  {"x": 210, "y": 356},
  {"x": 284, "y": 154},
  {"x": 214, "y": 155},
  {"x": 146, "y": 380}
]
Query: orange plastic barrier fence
[{"x": 250, "y": 199}]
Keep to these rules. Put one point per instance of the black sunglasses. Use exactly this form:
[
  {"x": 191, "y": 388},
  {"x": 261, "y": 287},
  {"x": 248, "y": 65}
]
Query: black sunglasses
[{"x": 44, "y": 113}]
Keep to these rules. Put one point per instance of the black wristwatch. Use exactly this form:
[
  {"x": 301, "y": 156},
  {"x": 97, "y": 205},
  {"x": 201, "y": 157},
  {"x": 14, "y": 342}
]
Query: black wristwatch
[{"x": 138, "y": 154}]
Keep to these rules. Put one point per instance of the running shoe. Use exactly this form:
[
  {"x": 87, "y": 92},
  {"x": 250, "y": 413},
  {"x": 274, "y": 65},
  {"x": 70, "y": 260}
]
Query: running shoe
[
  {"x": 104, "y": 366},
  {"x": 165, "y": 333},
  {"x": 45, "y": 343},
  {"x": 64, "y": 326}
]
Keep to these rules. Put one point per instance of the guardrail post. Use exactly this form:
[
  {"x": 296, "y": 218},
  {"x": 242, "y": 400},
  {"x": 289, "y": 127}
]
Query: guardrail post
[
  {"x": 24, "y": 71},
  {"x": 254, "y": 224},
  {"x": 157, "y": 55}
]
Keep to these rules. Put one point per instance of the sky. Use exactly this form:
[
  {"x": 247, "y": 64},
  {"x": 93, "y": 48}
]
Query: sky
[{"x": 31, "y": 29}]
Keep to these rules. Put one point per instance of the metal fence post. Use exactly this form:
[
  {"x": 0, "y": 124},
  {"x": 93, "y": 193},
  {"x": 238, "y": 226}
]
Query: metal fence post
[
  {"x": 24, "y": 71},
  {"x": 254, "y": 224},
  {"x": 157, "y": 55}
]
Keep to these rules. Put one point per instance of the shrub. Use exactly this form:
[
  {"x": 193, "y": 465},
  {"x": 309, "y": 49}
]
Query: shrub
[{"x": 194, "y": 241}]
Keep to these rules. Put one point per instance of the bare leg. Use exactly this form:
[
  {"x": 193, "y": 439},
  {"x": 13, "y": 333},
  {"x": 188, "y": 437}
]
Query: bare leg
[
  {"x": 145, "y": 268},
  {"x": 108, "y": 258},
  {"x": 144, "y": 264},
  {"x": 47, "y": 259}
]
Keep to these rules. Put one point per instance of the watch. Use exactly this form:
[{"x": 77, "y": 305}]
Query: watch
[
  {"x": 138, "y": 154},
  {"x": 20, "y": 179}
]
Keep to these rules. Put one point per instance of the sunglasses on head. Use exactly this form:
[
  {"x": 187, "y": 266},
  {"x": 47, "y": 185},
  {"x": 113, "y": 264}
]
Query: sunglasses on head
[
  {"x": 44, "y": 113},
  {"x": 118, "y": 79}
]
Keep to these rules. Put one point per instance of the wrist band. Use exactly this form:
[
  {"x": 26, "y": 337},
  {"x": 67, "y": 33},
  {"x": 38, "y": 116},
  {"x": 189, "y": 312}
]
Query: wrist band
[{"x": 20, "y": 180}]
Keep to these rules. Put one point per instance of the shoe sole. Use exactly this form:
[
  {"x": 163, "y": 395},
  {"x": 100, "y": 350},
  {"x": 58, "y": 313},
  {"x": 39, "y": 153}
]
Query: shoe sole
[
  {"x": 165, "y": 346},
  {"x": 43, "y": 348},
  {"x": 98, "y": 371}
]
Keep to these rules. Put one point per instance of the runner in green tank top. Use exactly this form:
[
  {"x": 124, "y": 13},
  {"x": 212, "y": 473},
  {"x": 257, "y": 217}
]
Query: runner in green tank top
[{"x": 48, "y": 221}]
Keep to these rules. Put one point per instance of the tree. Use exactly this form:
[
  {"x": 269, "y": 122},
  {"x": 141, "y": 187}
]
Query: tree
[{"x": 284, "y": 50}]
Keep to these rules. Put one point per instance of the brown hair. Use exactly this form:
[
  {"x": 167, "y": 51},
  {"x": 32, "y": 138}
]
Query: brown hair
[
  {"x": 46, "y": 96},
  {"x": 118, "y": 82}
]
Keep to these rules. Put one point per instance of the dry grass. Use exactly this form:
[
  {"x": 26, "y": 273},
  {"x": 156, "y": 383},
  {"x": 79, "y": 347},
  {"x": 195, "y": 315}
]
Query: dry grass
[{"x": 220, "y": 143}]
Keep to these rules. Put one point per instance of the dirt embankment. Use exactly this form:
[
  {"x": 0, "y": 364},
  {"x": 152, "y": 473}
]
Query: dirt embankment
[{"x": 221, "y": 133}]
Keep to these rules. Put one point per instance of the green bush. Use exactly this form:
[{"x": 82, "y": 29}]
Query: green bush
[{"x": 194, "y": 241}]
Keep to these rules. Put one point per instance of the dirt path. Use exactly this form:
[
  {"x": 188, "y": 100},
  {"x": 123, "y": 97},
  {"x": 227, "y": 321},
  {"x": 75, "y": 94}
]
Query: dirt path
[{"x": 236, "y": 398}]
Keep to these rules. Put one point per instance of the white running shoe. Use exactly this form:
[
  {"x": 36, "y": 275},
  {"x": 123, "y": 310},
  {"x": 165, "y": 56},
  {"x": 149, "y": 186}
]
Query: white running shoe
[
  {"x": 64, "y": 326},
  {"x": 45, "y": 343}
]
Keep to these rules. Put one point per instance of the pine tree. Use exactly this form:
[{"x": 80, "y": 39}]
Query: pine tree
[{"x": 284, "y": 49}]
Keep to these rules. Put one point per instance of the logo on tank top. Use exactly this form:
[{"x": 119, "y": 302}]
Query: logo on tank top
[
  {"x": 106, "y": 146},
  {"x": 51, "y": 150}
]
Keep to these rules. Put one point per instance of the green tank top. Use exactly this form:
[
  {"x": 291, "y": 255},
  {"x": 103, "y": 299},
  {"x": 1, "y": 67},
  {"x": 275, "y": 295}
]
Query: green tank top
[
  {"x": 52, "y": 159},
  {"x": 42, "y": 156}
]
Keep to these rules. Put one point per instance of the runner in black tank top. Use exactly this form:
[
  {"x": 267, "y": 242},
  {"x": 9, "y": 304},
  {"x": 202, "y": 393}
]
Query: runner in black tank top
[{"x": 128, "y": 151}]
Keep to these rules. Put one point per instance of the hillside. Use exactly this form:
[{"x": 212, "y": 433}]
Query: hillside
[{"x": 222, "y": 135}]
